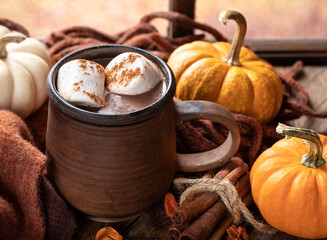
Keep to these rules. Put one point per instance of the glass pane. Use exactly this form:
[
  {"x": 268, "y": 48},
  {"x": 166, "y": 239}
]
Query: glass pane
[
  {"x": 270, "y": 19},
  {"x": 267, "y": 19},
  {"x": 41, "y": 17}
]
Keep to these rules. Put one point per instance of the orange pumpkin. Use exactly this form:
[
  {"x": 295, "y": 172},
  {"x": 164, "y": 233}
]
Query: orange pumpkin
[
  {"x": 289, "y": 183},
  {"x": 228, "y": 74}
]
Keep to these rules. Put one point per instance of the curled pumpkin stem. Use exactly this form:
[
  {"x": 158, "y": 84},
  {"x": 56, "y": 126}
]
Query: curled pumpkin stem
[
  {"x": 232, "y": 57},
  {"x": 314, "y": 157},
  {"x": 8, "y": 39}
]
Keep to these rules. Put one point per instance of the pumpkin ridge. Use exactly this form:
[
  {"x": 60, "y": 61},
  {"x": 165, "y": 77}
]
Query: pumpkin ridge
[
  {"x": 291, "y": 143},
  {"x": 198, "y": 91},
  {"x": 198, "y": 45},
  {"x": 184, "y": 60},
  {"x": 215, "y": 78},
  {"x": 222, "y": 48},
  {"x": 198, "y": 82},
  {"x": 32, "y": 46},
  {"x": 318, "y": 226},
  {"x": 274, "y": 79},
  {"x": 28, "y": 87},
  {"x": 269, "y": 166},
  {"x": 300, "y": 196},
  {"x": 263, "y": 106},
  {"x": 6, "y": 85},
  {"x": 236, "y": 92},
  {"x": 284, "y": 145},
  {"x": 246, "y": 55},
  {"x": 39, "y": 76},
  {"x": 319, "y": 201},
  {"x": 268, "y": 198}
]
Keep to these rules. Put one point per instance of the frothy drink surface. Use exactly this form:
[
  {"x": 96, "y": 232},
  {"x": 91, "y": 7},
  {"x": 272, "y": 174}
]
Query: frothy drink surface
[{"x": 120, "y": 104}]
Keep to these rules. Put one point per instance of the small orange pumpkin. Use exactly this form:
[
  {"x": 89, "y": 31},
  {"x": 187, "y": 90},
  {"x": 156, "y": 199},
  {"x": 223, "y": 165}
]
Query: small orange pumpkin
[
  {"x": 228, "y": 74},
  {"x": 289, "y": 183}
]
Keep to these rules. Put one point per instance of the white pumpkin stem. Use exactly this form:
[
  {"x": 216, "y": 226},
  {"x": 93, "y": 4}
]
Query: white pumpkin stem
[
  {"x": 232, "y": 57},
  {"x": 313, "y": 158},
  {"x": 8, "y": 39}
]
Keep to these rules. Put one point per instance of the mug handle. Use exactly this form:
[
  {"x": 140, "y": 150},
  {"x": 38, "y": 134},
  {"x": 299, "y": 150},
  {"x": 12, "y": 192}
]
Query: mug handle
[{"x": 198, "y": 109}]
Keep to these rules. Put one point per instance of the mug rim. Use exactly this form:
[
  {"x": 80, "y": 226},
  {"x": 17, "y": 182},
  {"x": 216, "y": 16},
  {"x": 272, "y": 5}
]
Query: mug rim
[{"x": 109, "y": 51}]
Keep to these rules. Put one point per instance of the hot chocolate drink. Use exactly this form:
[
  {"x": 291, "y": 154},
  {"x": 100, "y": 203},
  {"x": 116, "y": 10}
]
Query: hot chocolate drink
[
  {"x": 132, "y": 82},
  {"x": 120, "y": 104}
]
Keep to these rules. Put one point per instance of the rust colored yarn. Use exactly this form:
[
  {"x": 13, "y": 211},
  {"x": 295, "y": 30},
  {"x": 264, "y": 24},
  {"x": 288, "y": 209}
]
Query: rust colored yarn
[
  {"x": 144, "y": 35},
  {"x": 29, "y": 206},
  {"x": 13, "y": 26}
]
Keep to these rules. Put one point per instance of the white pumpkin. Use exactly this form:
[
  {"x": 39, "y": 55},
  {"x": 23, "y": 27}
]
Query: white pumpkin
[{"x": 24, "y": 66}]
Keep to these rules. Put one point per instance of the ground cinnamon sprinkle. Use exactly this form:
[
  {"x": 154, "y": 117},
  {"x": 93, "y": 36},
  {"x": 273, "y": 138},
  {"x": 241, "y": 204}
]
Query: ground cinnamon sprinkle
[
  {"x": 77, "y": 86},
  {"x": 94, "y": 97},
  {"x": 77, "y": 89},
  {"x": 99, "y": 67},
  {"x": 132, "y": 57},
  {"x": 126, "y": 76},
  {"x": 83, "y": 63}
]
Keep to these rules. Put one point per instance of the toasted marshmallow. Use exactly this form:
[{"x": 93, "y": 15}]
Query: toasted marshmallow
[
  {"x": 81, "y": 82},
  {"x": 132, "y": 74}
]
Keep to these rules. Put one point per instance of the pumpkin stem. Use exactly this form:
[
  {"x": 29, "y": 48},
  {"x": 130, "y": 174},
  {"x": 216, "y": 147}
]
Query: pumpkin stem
[
  {"x": 8, "y": 39},
  {"x": 232, "y": 57},
  {"x": 313, "y": 158}
]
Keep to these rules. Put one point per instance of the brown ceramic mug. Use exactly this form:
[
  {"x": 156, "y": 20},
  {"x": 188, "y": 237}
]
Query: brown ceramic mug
[{"x": 115, "y": 167}]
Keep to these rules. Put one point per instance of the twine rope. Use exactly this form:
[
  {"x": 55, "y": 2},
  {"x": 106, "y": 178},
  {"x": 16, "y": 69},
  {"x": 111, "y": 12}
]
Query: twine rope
[{"x": 227, "y": 193}]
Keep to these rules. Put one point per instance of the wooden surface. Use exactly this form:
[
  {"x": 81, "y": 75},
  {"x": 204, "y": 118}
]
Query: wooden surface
[
  {"x": 154, "y": 223},
  {"x": 314, "y": 81}
]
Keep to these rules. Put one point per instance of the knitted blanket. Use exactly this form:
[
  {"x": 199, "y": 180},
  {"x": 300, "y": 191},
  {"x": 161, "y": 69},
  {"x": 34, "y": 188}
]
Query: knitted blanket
[{"x": 30, "y": 208}]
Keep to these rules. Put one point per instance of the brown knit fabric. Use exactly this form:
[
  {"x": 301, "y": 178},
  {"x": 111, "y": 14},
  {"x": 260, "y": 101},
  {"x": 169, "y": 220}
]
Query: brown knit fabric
[
  {"x": 59, "y": 219},
  {"x": 22, "y": 207},
  {"x": 13, "y": 26},
  {"x": 37, "y": 124}
]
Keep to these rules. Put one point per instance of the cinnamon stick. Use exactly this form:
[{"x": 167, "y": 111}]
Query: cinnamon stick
[
  {"x": 202, "y": 227},
  {"x": 221, "y": 229},
  {"x": 174, "y": 231},
  {"x": 187, "y": 211},
  {"x": 227, "y": 221}
]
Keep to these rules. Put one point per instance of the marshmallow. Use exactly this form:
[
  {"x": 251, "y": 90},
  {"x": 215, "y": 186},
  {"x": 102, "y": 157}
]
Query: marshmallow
[
  {"x": 132, "y": 74},
  {"x": 81, "y": 82}
]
